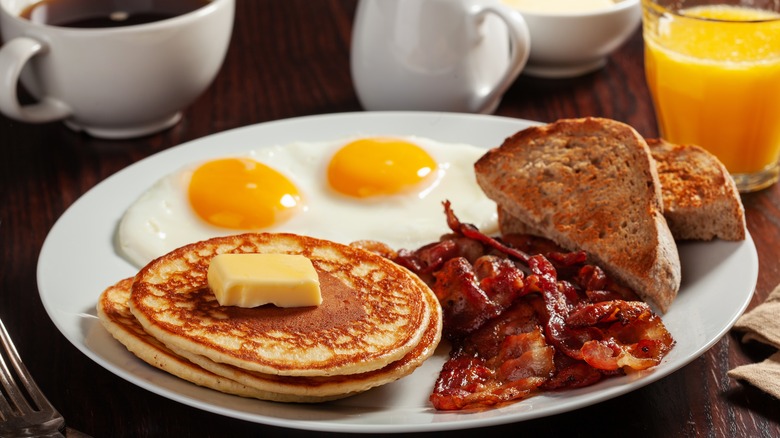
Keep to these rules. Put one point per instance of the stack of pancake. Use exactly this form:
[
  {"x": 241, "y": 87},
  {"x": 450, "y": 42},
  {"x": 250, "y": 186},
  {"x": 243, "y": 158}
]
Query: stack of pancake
[{"x": 376, "y": 324}]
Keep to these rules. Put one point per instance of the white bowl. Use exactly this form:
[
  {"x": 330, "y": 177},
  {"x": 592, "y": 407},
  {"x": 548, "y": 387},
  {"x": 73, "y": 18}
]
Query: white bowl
[{"x": 568, "y": 44}]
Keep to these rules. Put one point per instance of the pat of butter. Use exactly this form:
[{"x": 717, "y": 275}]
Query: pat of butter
[{"x": 251, "y": 280}]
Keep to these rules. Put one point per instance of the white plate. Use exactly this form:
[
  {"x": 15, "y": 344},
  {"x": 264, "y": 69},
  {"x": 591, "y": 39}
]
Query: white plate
[{"x": 78, "y": 261}]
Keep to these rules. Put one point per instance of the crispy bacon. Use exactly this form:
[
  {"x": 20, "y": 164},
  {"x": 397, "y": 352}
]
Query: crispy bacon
[
  {"x": 470, "y": 231},
  {"x": 500, "y": 278},
  {"x": 571, "y": 373},
  {"x": 464, "y": 304},
  {"x": 630, "y": 335},
  {"x": 523, "y": 363},
  {"x": 525, "y": 316}
]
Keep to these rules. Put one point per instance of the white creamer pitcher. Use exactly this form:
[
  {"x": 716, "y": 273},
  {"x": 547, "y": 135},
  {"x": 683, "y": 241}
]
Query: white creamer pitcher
[{"x": 436, "y": 55}]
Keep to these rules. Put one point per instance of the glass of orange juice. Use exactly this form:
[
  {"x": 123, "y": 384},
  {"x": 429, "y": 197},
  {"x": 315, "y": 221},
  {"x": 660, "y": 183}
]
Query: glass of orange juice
[{"x": 713, "y": 69}]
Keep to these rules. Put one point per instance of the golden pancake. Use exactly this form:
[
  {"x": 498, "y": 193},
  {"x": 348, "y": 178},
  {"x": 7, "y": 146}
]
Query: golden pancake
[
  {"x": 338, "y": 384},
  {"x": 373, "y": 313},
  {"x": 119, "y": 321},
  {"x": 116, "y": 318}
]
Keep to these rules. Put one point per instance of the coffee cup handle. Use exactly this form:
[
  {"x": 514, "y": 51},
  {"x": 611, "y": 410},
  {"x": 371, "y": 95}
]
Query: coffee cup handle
[
  {"x": 13, "y": 57},
  {"x": 520, "y": 42}
]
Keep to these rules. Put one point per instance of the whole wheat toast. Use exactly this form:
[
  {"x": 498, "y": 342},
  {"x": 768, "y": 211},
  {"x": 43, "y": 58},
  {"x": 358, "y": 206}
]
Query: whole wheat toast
[
  {"x": 589, "y": 184},
  {"x": 701, "y": 201}
]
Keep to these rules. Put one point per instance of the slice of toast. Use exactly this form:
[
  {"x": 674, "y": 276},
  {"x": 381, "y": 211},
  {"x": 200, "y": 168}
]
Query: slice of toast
[
  {"x": 701, "y": 201},
  {"x": 589, "y": 184}
]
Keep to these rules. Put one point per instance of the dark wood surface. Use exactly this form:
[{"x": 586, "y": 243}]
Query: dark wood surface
[{"x": 289, "y": 59}]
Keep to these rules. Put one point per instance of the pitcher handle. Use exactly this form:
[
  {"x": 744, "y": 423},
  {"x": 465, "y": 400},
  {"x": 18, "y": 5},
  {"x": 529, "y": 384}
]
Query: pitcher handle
[
  {"x": 520, "y": 42},
  {"x": 13, "y": 57}
]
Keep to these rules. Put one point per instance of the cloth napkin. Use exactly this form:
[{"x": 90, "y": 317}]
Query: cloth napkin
[{"x": 762, "y": 324}]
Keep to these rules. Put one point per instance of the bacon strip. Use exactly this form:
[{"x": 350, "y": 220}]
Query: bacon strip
[
  {"x": 524, "y": 317},
  {"x": 516, "y": 335},
  {"x": 470, "y": 231},
  {"x": 464, "y": 304}
]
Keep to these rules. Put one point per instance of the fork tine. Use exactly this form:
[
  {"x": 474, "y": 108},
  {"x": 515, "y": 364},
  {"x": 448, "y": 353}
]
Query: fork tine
[
  {"x": 16, "y": 401},
  {"x": 17, "y": 404},
  {"x": 5, "y": 408}
]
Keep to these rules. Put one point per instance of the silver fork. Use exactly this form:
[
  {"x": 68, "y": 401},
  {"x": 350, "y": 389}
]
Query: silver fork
[{"x": 24, "y": 410}]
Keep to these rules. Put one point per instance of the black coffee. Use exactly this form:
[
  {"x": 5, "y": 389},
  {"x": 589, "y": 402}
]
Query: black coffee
[{"x": 107, "y": 13}]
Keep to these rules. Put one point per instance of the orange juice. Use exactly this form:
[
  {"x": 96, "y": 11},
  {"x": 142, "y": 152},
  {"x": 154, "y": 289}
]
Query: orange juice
[{"x": 714, "y": 74}]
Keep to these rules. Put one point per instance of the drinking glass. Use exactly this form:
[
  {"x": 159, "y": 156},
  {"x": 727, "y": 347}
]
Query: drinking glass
[{"x": 713, "y": 70}]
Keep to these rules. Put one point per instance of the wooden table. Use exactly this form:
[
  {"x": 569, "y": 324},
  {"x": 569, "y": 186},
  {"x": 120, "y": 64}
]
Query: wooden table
[{"x": 289, "y": 59}]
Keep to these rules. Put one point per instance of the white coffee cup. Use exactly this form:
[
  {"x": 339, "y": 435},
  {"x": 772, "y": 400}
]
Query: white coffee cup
[
  {"x": 116, "y": 82},
  {"x": 436, "y": 55}
]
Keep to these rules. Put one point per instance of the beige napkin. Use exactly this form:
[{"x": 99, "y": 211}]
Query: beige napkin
[{"x": 762, "y": 324}]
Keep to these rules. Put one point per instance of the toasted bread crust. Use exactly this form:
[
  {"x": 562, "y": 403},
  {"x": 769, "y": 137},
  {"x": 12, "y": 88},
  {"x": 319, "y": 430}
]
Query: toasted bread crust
[
  {"x": 701, "y": 201},
  {"x": 589, "y": 184}
]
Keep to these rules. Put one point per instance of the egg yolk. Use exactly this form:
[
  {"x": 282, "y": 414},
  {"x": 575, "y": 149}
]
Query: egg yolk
[
  {"x": 379, "y": 166},
  {"x": 241, "y": 193}
]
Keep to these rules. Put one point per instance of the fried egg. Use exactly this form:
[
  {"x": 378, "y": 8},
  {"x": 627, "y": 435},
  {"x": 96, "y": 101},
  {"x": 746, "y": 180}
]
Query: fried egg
[{"x": 384, "y": 189}]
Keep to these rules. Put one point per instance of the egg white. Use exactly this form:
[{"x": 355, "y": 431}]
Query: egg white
[{"x": 161, "y": 219}]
